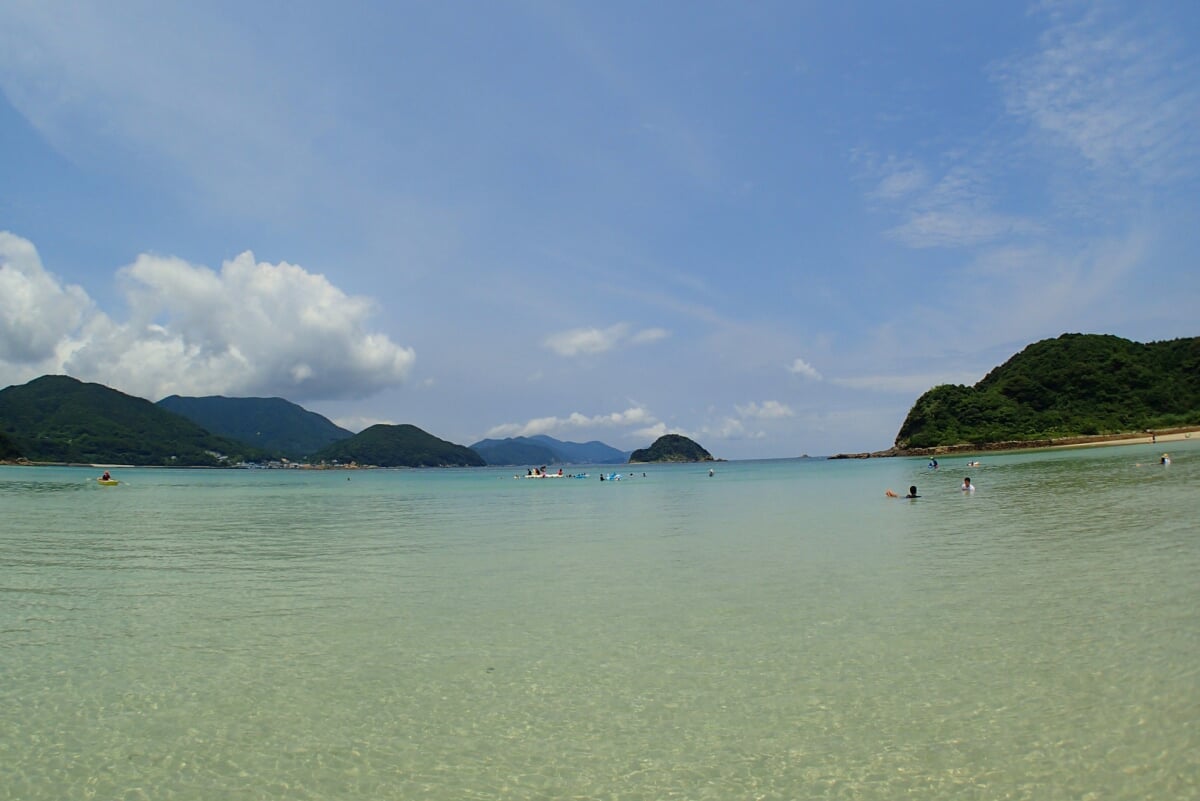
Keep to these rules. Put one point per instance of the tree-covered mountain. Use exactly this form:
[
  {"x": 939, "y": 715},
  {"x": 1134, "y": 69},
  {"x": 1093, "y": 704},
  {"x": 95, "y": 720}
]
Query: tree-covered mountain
[
  {"x": 56, "y": 418},
  {"x": 8, "y": 448},
  {"x": 398, "y": 446},
  {"x": 1075, "y": 385},
  {"x": 672, "y": 448},
  {"x": 274, "y": 425},
  {"x": 543, "y": 449},
  {"x": 515, "y": 450},
  {"x": 591, "y": 452}
]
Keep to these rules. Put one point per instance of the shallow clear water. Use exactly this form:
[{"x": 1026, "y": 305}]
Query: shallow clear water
[{"x": 780, "y": 631}]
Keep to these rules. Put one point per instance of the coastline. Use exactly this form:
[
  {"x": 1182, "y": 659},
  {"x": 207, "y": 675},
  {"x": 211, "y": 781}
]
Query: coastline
[{"x": 1158, "y": 436}]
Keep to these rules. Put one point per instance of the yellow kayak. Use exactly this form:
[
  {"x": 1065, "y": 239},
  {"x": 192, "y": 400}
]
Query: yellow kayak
[{"x": 107, "y": 482}]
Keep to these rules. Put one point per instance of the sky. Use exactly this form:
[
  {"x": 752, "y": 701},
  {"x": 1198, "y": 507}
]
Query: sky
[{"x": 767, "y": 226}]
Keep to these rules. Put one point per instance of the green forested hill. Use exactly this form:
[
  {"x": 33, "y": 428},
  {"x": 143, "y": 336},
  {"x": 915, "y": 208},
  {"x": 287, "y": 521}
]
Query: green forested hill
[
  {"x": 1075, "y": 385},
  {"x": 56, "y": 418},
  {"x": 672, "y": 448},
  {"x": 274, "y": 425},
  {"x": 8, "y": 449},
  {"x": 398, "y": 446},
  {"x": 515, "y": 450}
]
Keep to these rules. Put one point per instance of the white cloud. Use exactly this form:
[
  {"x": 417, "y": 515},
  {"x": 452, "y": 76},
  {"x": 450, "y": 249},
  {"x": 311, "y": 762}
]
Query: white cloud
[
  {"x": 573, "y": 421},
  {"x": 958, "y": 227},
  {"x": 648, "y": 335},
  {"x": 583, "y": 341},
  {"x": 803, "y": 368},
  {"x": 767, "y": 410},
  {"x": 900, "y": 179},
  {"x": 651, "y": 432},
  {"x": 251, "y": 329},
  {"x": 956, "y": 212},
  {"x": 37, "y": 313},
  {"x": 729, "y": 428}
]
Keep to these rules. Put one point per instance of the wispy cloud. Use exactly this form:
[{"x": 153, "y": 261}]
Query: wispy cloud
[
  {"x": 767, "y": 410},
  {"x": 215, "y": 117},
  {"x": 585, "y": 341},
  {"x": 648, "y": 335},
  {"x": 1121, "y": 92},
  {"x": 900, "y": 179},
  {"x": 957, "y": 212},
  {"x": 951, "y": 226}
]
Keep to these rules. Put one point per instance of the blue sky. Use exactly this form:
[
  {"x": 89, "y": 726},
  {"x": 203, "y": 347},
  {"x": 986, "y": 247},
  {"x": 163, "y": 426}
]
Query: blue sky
[{"x": 768, "y": 226}]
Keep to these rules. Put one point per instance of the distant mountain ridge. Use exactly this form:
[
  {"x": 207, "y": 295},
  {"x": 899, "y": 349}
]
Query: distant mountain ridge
[
  {"x": 405, "y": 445},
  {"x": 542, "y": 449},
  {"x": 274, "y": 425},
  {"x": 57, "y": 418}
]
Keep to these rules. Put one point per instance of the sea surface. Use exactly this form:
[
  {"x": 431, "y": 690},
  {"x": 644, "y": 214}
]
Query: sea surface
[{"x": 780, "y": 630}]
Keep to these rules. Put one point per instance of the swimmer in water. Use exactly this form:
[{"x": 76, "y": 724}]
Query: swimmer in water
[
  {"x": 967, "y": 486},
  {"x": 1165, "y": 460},
  {"x": 912, "y": 493}
]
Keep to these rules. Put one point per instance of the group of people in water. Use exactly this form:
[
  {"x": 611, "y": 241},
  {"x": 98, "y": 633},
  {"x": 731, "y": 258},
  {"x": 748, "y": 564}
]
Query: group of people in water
[
  {"x": 539, "y": 472},
  {"x": 967, "y": 486}
]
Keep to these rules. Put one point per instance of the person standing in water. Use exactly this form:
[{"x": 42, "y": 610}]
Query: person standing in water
[{"x": 967, "y": 486}]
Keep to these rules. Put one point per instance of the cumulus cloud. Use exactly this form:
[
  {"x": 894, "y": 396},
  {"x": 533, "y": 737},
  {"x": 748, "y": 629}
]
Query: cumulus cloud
[
  {"x": 251, "y": 328},
  {"x": 803, "y": 368},
  {"x": 767, "y": 410},
  {"x": 37, "y": 313},
  {"x": 584, "y": 341},
  {"x": 574, "y": 421}
]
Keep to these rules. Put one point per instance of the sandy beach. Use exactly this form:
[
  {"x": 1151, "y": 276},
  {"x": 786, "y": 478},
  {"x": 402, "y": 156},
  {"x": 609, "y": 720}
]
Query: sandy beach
[
  {"x": 1099, "y": 440},
  {"x": 1160, "y": 437},
  {"x": 1157, "y": 436}
]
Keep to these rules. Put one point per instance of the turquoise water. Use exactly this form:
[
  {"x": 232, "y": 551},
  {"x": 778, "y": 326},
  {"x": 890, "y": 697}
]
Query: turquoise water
[{"x": 778, "y": 631}]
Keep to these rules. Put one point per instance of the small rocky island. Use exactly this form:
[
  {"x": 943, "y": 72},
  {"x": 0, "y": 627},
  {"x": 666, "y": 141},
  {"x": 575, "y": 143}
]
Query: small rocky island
[{"x": 671, "y": 448}]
